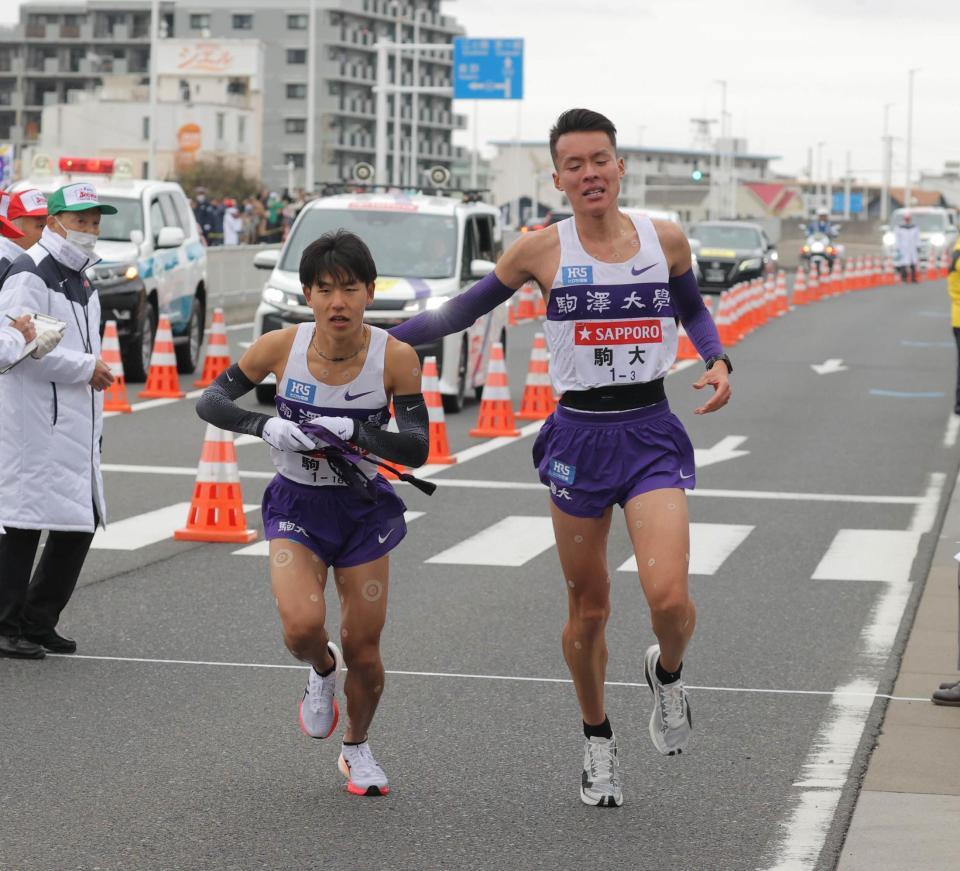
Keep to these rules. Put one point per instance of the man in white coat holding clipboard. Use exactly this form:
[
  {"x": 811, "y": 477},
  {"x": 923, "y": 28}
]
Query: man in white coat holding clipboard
[{"x": 51, "y": 429}]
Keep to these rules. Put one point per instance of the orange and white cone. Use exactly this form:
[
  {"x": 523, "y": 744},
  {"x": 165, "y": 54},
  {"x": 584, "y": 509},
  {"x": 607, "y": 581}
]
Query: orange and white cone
[
  {"x": 781, "y": 304},
  {"x": 115, "y": 396},
  {"x": 218, "y": 351},
  {"x": 539, "y": 304},
  {"x": 439, "y": 443},
  {"x": 800, "y": 288},
  {"x": 537, "y": 402},
  {"x": 526, "y": 307},
  {"x": 496, "y": 409},
  {"x": 216, "y": 510},
  {"x": 162, "y": 380}
]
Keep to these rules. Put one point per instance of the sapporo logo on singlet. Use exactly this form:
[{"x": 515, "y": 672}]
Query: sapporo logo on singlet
[
  {"x": 577, "y": 275},
  {"x": 644, "y": 332},
  {"x": 300, "y": 391}
]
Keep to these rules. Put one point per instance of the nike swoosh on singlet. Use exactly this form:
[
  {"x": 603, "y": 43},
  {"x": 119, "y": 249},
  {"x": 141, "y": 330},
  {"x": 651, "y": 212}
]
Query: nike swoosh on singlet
[
  {"x": 349, "y": 398},
  {"x": 635, "y": 271}
]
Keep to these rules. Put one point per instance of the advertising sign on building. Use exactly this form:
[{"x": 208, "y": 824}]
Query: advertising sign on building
[
  {"x": 7, "y": 154},
  {"x": 234, "y": 58}
]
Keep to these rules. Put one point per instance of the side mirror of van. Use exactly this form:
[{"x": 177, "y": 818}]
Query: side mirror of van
[
  {"x": 266, "y": 259},
  {"x": 136, "y": 236},
  {"x": 170, "y": 237},
  {"x": 480, "y": 268}
]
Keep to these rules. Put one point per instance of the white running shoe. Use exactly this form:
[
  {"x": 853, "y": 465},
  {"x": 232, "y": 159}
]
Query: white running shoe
[
  {"x": 670, "y": 722},
  {"x": 319, "y": 711},
  {"x": 364, "y": 775},
  {"x": 600, "y": 783}
]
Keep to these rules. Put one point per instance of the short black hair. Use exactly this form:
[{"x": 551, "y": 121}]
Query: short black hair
[
  {"x": 342, "y": 255},
  {"x": 581, "y": 120}
]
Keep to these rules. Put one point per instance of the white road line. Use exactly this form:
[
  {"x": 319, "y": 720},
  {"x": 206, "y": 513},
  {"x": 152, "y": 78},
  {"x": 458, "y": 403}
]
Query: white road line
[
  {"x": 508, "y": 678},
  {"x": 245, "y": 326},
  {"x": 262, "y": 548},
  {"x": 869, "y": 555},
  {"x": 486, "y": 447},
  {"x": 153, "y": 403},
  {"x": 142, "y": 530},
  {"x": 513, "y": 541},
  {"x": 925, "y": 514},
  {"x": 710, "y": 545},
  {"x": 953, "y": 427}
]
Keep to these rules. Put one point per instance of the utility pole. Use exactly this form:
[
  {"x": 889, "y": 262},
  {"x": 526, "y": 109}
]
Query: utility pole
[
  {"x": 310, "y": 180},
  {"x": 154, "y": 61},
  {"x": 413, "y": 175},
  {"x": 820, "y": 173},
  {"x": 886, "y": 163},
  {"x": 906, "y": 189},
  {"x": 847, "y": 180}
]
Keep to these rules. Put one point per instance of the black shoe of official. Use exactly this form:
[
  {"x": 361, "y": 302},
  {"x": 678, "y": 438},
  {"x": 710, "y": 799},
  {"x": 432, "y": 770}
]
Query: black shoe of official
[
  {"x": 52, "y": 641},
  {"x": 15, "y": 647},
  {"x": 950, "y": 696}
]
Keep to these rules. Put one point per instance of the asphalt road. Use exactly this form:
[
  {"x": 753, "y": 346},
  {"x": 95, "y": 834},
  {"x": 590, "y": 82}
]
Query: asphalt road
[{"x": 179, "y": 748}]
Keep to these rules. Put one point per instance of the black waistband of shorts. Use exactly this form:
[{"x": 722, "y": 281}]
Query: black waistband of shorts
[{"x": 616, "y": 397}]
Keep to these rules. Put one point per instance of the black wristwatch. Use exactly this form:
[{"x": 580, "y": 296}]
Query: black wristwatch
[{"x": 725, "y": 359}]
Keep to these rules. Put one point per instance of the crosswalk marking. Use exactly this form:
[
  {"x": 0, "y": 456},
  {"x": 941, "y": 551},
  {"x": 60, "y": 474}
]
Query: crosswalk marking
[
  {"x": 710, "y": 545},
  {"x": 145, "y": 529},
  {"x": 262, "y": 548},
  {"x": 513, "y": 541},
  {"x": 869, "y": 555}
]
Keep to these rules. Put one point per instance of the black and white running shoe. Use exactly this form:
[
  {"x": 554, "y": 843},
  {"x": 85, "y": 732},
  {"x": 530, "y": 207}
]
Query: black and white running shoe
[
  {"x": 600, "y": 783},
  {"x": 670, "y": 722}
]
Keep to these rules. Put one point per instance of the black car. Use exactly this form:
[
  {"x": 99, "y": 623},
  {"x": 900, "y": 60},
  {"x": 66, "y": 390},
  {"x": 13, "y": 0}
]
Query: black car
[{"x": 729, "y": 252}]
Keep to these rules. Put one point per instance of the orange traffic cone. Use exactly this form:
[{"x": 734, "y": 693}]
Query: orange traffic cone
[
  {"x": 526, "y": 307},
  {"x": 781, "y": 304},
  {"x": 537, "y": 402},
  {"x": 115, "y": 396},
  {"x": 162, "y": 381},
  {"x": 800, "y": 288},
  {"x": 539, "y": 304},
  {"x": 439, "y": 443},
  {"x": 496, "y": 410},
  {"x": 218, "y": 351},
  {"x": 216, "y": 510}
]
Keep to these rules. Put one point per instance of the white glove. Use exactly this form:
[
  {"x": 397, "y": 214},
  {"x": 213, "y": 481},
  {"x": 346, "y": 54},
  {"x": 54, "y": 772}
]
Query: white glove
[
  {"x": 342, "y": 427},
  {"x": 285, "y": 435},
  {"x": 46, "y": 342}
]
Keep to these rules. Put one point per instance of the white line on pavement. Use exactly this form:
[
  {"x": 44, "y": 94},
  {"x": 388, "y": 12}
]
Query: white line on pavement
[
  {"x": 512, "y": 541},
  {"x": 245, "y": 326},
  {"x": 710, "y": 545},
  {"x": 152, "y": 403},
  {"x": 510, "y": 678},
  {"x": 953, "y": 427},
  {"x": 925, "y": 514}
]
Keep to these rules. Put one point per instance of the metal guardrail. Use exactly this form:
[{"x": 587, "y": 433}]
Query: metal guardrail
[{"x": 232, "y": 279}]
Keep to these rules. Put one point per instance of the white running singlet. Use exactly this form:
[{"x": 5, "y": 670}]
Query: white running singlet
[
  {"x": 301, "y": 397},
  {"x": 610, "y": 323}
]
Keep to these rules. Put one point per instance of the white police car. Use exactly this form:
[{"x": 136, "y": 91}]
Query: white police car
[
  {"x": 427, "y": 248},
  {"x": 153, "y": 259}
]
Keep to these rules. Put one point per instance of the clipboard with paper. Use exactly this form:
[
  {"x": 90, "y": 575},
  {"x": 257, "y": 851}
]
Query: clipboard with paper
[{"x": 42, "y": 324}]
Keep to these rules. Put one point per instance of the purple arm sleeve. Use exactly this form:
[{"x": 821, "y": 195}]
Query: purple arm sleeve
[
  {"x": 694, "y": 316},
  {"x": 456, "y": 314}
]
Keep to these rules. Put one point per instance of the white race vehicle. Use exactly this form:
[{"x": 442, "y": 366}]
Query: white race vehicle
[
  {"x": 426, "y": 249},
  {"x": 153, "y": 261},
  {"x": 938, "y": 231}
]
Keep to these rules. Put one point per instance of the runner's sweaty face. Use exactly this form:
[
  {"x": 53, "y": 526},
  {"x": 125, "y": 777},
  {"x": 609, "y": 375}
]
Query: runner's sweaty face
[
  {"x": 338, "y": 305},
  {"x": 588, "y": 171}
]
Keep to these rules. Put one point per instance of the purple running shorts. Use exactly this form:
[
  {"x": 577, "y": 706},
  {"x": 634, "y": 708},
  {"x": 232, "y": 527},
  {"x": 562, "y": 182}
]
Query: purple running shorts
[
  {"x": 336, "y": 523},
  {"x": 592, "y": 460}
]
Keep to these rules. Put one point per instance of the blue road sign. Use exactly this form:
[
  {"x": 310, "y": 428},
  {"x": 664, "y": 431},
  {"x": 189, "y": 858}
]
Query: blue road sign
[
  {"x": 487, "y": 69},
  {"x": 856, "y": 203}
]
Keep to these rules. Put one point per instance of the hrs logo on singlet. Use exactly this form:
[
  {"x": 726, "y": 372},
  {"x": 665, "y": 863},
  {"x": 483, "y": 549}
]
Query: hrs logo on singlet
[
  {"x": 577, "y": 275},
  {"x": 300, "y": 391},
  {"x": 562, "y": 472}
]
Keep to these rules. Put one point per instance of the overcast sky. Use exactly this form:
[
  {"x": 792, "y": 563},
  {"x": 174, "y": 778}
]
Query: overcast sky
[{"x": 798, "y": 72}]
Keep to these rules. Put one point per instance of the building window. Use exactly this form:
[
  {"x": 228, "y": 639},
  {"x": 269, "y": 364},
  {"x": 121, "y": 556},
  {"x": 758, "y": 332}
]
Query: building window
[
  {"x": 241, "y": 129},
  {"x": 243, "y": 22},
  {"x": 297, "y": 22},
  {"x": 296, "y": 158},
  {"x": 296, "y": 92},
  {"x": 199, "y": 22},
  {"x": 295, "y": 125},
  {"x": 146, "y": 127},
  {"x": 296, "y": 55}
]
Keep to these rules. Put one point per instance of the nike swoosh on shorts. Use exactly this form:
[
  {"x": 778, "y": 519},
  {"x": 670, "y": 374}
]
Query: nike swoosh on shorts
[
  {"x": 383, "y": 538},
  {"x": 635, "y": 271},
  {"x": 685, "y": 476},
  {"x": 349, "y": 398}
]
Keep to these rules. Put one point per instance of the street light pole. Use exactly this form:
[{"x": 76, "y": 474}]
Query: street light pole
[
  {"x": 820, "y": 173},
  {"x": 722, "y": 160},
  {"x": 906, "y": 190},
  {"x": 154, "y": 61},
  {"x": 310, "y": 179},
  {"x": 886, "y": 164}
]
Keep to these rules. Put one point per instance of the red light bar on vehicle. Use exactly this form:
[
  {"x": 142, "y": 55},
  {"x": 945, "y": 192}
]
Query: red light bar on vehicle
[{"x": 93, "y": 165}]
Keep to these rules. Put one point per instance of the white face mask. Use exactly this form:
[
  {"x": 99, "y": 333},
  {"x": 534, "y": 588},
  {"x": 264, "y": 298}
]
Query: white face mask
[{"x": 84, "y": 241}]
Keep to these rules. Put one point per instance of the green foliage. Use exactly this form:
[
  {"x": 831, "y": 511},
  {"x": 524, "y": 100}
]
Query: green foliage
[{"x": 218, "y": 179}]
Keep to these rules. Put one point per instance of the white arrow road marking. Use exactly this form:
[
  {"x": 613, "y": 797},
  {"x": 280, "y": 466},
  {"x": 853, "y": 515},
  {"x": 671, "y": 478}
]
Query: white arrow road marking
[
  {"x": 725, "y": 449},
  {"x": 710, "y": 545},
  {"x": 828, "y": 367}
]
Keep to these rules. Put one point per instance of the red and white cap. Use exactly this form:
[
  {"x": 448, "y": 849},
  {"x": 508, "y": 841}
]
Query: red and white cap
[
  {"x": 6, "y": 228},
  {"x": 27, "y": 204}
]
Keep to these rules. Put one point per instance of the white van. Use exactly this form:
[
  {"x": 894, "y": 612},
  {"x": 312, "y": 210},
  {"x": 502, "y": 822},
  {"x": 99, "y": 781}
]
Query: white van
[
  {"x": 426, "y": 248},
  {"x": 154, "y": 261}
]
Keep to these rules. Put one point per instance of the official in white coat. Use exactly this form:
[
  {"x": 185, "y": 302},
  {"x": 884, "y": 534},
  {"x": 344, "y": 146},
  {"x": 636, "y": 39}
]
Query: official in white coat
[
  {"x": 50, "y": 429},
  {"x": 907, "y": 242}
]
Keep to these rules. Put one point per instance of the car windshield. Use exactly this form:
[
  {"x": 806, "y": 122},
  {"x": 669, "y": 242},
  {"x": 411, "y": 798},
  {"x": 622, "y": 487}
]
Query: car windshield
[
  {"x": 926, "y": 221},
  {"x": 726, "y": 237},
  {"x": 403, "y": 244},
  {"x": 129, "y": 216}
]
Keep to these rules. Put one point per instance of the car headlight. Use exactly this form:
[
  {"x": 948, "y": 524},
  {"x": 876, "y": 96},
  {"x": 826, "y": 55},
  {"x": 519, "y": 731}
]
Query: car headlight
[
  {"x": 889, "y": 239},
  {"x": 436, "y": 301},
  {"x": 746, "y": 265},
  {"x": 414, "y": 305},
  {"x": 774, "y": 255},
  {"x": 274, "y": 295},
  {"x": 937, "y": 240},
  {"x": 131, "y": 272}
]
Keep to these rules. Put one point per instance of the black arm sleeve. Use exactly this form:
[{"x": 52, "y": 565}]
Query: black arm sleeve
[
  {"x": 218, "y": 404},
  {"x": 411, "y": 445}
]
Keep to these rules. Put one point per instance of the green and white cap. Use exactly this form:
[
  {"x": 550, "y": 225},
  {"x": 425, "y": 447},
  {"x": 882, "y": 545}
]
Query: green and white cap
[{"x": 77, "y": 198}]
